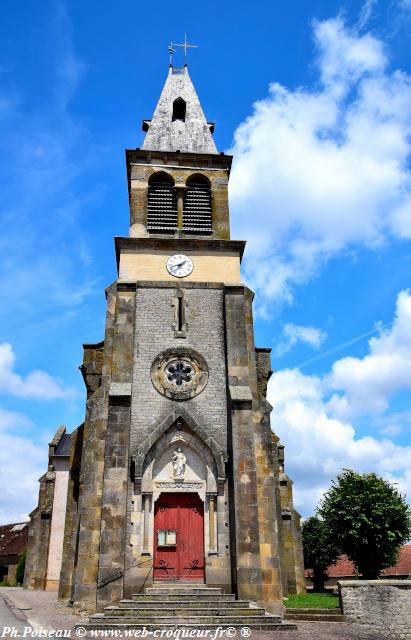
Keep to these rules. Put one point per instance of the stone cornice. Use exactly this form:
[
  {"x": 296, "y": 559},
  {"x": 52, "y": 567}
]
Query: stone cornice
[
  {"x": 178, "y": 244},
  {"x": 132, "y": 285},
  {"x": 176, "y": 158}
]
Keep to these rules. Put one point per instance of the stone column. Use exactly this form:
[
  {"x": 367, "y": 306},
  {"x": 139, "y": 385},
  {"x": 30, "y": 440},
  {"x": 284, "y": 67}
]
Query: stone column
[
  {"x": 146, "y": 525},
  {"x": 211, "y": 512},
  {"x": 180, "y": 206}
]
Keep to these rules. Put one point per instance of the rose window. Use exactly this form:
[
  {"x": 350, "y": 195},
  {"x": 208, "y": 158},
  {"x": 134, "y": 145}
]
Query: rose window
[{"x": 179, "y": 373}]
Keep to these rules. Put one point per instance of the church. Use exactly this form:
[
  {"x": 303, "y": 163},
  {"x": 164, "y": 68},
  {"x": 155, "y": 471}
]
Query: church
[{"x": 175, "y": 477}]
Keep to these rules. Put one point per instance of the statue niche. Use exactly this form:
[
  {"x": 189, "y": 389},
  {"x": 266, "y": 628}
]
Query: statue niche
[{"x": 179, "y": 463}]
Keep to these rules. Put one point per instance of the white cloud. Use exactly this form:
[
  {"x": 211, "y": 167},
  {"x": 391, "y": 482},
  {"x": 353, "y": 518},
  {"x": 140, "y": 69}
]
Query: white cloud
[
  {"x": 366, "y": 13},
  {"x": 369, "y": 383},
  {"x": 37, "y": 384},
  {"x": 323, "y": 169},
  {"x": 13, "y": 419},
  {"x": 294, "y": 333},
  {"x": 392, "y": 424},
  {"x": 319, "y": 445},
  {"x": 319, "y": 433},
  {"x": 21, "y": 464}
]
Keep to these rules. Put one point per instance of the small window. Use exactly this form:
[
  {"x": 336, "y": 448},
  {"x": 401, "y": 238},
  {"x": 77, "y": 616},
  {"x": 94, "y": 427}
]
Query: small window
[
  {"x": 166, "y": 538},
  {"x": 179, "y": 110}
]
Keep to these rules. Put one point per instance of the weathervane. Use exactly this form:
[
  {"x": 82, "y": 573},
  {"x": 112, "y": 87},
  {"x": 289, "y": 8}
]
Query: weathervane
[{"x": 186, "y": 46}]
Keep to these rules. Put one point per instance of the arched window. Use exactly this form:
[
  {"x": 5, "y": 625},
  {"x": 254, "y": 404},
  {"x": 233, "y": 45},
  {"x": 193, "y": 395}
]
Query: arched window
[
  {"x": 162, "y": 204},
  {"x": 179, "y": 109},
  {"x": 197, "y": 206}
]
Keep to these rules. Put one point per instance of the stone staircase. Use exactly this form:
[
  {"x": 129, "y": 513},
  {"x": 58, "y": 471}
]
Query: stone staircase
[
  {"x": 193, "y": 606},
  {"x": 314, "y": 615}
]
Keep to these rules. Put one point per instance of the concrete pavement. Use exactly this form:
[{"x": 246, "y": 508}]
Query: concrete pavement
[{"x": 10, "y": 617}]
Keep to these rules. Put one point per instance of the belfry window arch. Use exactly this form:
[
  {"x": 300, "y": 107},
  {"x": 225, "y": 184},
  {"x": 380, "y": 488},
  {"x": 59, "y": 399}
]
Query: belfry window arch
[
  {"x": 162, "y": 204},
  {"x": 197, "y": 217},
  {"x": 179, "y": 109}
]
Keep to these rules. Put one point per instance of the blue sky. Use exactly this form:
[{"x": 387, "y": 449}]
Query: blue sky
[{"x": 314, "y": 101}]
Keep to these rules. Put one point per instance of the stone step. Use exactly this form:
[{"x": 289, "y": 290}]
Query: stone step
[
  {"x": 315, "y": 617},
  {"x": 161, "y": 584},
  {"x": 181, "y": 592},
  {"x": 180, "y": 602},
  {"x": 335, "y": 611},
  {"x": 182, "y": 621},
  {"x": 186, "y": 606},
  {"x": 260, "y": 624},
  {"x": 210, "y": 597},
  {"x": 182, "y": 589},
  {"x": 180, "y": 612}
]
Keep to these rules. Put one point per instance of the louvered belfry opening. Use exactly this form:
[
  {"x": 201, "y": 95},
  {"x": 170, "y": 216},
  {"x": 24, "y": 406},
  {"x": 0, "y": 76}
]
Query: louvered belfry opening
[
  {"x": 197, "y": 206},
  {"x": 162, "y": 204}
]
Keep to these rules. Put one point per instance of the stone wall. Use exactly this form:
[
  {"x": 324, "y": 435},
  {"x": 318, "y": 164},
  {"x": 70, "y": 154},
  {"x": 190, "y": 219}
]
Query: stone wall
[
  {"x": 71, "y": 530},
  {"x": 39, "y": 534},
  {"x": 292, "y": 558},
  {"x": 204, "y": 334},
  {"x": 55, "y": 551},
  {"x": 384, "y": 605},
  {"x": 154, "y": 333}
]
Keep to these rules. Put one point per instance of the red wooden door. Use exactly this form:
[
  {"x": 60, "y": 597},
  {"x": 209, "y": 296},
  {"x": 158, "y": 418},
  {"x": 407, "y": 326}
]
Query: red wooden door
[
  {"x": 179, "y": 537},
  {"x": 165, "y": 519}
]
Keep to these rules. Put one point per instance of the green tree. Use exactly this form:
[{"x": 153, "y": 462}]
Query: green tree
[
  {"x": 368, "y": 519},
  {"x": 320, "y": 550},
  {"x": 20, "y": 568}
]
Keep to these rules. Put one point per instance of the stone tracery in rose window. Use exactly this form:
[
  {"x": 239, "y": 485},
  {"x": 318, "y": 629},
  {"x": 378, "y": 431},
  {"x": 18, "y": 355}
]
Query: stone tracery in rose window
[{"x": 180, "y": 373}]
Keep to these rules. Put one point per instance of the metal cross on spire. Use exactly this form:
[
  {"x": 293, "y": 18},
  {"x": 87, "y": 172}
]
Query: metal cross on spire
[
  {"x": 171, "y": 51},
  {"x": 186, "y": 46}
]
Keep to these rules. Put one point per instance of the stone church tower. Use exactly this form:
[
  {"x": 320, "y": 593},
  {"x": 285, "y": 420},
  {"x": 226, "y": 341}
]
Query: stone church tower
[{"x": 175, "y": 474}]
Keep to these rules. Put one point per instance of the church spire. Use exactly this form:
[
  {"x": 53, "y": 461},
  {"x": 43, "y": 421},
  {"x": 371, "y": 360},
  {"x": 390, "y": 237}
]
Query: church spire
[{"x": 178, "y": 122}]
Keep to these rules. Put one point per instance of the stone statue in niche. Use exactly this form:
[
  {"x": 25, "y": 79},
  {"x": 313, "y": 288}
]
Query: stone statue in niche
[{"x": 179, "y": 463}]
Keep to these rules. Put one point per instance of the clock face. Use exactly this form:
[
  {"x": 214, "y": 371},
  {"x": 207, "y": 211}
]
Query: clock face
[{"x": 179, "y": 265}]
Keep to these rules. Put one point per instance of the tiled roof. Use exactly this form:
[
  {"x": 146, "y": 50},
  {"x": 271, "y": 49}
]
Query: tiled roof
[
  {"x": 13, "y": 538},
  {"x": 58, "y": 436},
  {"x": 344, "y": 568},
  {"x": 403, "y": 566}
]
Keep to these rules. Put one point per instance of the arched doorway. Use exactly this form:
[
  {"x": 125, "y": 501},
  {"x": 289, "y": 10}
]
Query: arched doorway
[
  {"x": 179, "y": 487},
  {"x": 179, "y": 537}
]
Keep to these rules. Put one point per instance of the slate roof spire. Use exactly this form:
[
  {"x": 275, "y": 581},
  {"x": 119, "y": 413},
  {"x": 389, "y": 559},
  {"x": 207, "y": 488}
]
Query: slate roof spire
[{"x": 178, "y": 123}]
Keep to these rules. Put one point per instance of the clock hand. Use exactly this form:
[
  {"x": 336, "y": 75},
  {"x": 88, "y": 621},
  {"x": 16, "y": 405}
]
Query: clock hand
[{"x": 180, "y": 263}]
